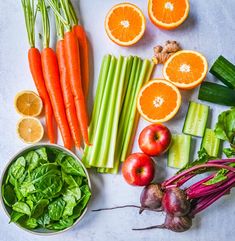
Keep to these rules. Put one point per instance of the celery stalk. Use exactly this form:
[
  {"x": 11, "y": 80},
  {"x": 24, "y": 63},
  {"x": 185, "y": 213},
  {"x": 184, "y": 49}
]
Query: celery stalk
[
  {"x": 128, "y": 106},
  {"x": 98, "y": 135},
  {"x": 116, "y": 114},
  {"x": 144, "y": 76},
  {"x": 97, "y": 105}
]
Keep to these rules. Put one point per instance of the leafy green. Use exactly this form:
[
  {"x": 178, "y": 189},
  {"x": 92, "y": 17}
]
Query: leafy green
[
  {"x": 229, "y": 152},
  {"x": 225, "y": 126},
  {"x": 56, "y": 209},
  {"x": 21, "y": 207},
  {"x": 8, "y": 194},
  {"x": 203, "y": 157},
  {"x": 45, "y": 188}
]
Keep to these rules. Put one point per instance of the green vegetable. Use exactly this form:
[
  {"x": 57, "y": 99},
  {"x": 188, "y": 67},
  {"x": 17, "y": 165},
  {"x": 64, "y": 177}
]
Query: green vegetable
[
  {"x": 224, "y": 71},
  {"x": 196, "y": 119},
  {"x": 45, "y": 188},
  {"x": 229, "y": 152},
  {"x": 225, "y": 126},
  {"x": 179, "y": 152},
  {"x": 217, "y": 94},
  {"x": 97, "y": 105},
  {"x": 203, "y": 158},
  {"x": 210, "y": 142}
]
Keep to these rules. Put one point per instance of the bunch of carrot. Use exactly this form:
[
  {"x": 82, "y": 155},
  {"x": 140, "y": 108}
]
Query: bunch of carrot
[{"x": 61, "y": 77}]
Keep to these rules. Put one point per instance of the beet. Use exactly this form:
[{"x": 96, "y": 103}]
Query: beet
[
  {"x": 175, "y": 202},
  {"x": 173, "y": 223},
  {"x": 151, "y": 197}
]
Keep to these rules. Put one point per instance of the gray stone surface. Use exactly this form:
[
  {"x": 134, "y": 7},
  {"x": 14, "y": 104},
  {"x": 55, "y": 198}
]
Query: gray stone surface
[{"x": 209, "y": 29}]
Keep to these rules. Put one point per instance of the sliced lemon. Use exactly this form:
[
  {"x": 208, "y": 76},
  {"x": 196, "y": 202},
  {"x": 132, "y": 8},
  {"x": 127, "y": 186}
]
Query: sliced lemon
[
  {"x": 30, "y": 130},
  {"x": 28, "y": 103}
]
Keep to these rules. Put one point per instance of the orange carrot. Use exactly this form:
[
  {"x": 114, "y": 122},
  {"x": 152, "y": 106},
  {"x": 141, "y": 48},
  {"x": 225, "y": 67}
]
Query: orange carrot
[
  {"x": 52, "y": 80},
  {"x": 73, "y": 66},
  {"x": 68, "y": 96},
  {"x": 35, "y": 65},
  {"x": 84, "y": 56}
]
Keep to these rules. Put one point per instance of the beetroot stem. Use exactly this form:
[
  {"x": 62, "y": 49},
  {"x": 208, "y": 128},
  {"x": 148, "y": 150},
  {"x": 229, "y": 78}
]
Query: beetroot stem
[
  {"x": 162, "y": 226},
  {"x": 207, "y": 201},
  {"x": 127, "y": 206},
  {"x": 194, "y": 168}
]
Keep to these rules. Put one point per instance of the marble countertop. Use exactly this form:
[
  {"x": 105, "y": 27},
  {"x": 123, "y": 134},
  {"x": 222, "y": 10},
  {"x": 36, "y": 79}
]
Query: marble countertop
[{"x": 210, "y": 29}]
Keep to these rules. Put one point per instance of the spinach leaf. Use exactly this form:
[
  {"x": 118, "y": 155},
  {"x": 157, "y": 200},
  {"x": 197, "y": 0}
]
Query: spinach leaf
[
  {"x": 71, "y": 166},
  {"x": 8, "y": 194},
  {"x": 17, "y": 170},
  {"x": 30, "y": 223},
  {"x": 32, "y": 159},
  {"x": 56, "y": 209},
  {"x": 15, "y": 216},
  {"x": 39, "y": 208},
  {"x": 27, "y": 188},
  {"x": 21, "y": 207},
  {"x": 62, "y": 224},
  {"x": 225, "y": 126},
  {"x": 17, "y": 191},
  {"x": 69, "y": 179},
  {"x": 42, "y": 154},
  {"x": 44, "y": 220}
]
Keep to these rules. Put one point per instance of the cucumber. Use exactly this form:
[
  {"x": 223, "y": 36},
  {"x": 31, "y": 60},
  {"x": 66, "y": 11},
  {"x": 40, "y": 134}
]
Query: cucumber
[
  {"x": 210, "y": 142},
  {"x": 217, "y": 94},
  {"x": 224, "y": 71},
  {"x": 179, "y": 152},
  {"x": 196, "y": 119}
]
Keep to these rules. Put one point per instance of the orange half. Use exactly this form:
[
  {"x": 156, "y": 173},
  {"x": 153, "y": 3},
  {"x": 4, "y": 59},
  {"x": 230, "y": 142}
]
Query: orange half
[
  {"x": 186, "y": 69},
  {"x": 158, "y": 101},
  {"x": 168, "y": 14},
  {"x": 125, "y": 24}
]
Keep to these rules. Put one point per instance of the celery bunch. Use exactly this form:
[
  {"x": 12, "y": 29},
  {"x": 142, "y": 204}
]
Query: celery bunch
[{"x": 114, "y": 117}]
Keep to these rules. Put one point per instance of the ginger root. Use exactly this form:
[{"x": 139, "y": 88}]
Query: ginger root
[{"x": 163, "y": 53}]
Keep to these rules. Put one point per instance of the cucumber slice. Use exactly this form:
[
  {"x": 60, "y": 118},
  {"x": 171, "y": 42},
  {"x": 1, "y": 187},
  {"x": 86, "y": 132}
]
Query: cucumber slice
[
  {"x": 179, "y": 152},
  {"x": 224, "y": 71},
  {"x": 196, "y": 119},
  {"x": 217, "y": 94},
  {"x": 210, "y": 142}
]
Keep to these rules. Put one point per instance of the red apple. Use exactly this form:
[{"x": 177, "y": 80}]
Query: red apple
[
  {"x": 138, "y": 169},
  {"x": 155, "y": 139}
]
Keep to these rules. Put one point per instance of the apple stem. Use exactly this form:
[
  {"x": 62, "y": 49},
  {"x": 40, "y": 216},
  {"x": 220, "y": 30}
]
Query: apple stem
[{"x": 127, "y": 206}]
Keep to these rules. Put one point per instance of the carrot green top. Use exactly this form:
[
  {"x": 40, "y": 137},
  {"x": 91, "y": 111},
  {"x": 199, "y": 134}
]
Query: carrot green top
[
  {"x": 45, "y": 23},
  {"x": 30, "y": 17}
]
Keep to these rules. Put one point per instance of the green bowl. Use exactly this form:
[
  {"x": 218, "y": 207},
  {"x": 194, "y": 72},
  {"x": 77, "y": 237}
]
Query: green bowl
[{"x": 41, "y": 231}]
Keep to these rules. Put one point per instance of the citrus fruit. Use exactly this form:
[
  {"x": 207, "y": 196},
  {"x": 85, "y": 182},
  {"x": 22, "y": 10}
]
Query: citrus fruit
[
  {"x": 168, "y": 14},
  {"x": 30, "y": 130},
  {"x": 28, "y": 103},
  {"x": 158, "y": 101},
  {"x": 125, "y": 24},
  {"x": 185, "y": 69}
]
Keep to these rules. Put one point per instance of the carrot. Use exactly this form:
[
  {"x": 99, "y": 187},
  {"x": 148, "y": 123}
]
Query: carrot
[
  {"x": 84, "y": 49},
  {"x": 72, "y": 59},
  {"x": 74, "y": 72},
  {"x": 35, "y": 65},
  {"x": 84, "y": 56},
  {"x": 67, "y": 94},
  {"x": 52, "y": 79},
  {"x": 70, "y": 107}
]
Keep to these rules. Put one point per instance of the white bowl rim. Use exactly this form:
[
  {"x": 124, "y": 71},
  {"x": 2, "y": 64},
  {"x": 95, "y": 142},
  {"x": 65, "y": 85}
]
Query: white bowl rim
[{"x": 33, "y": 147}]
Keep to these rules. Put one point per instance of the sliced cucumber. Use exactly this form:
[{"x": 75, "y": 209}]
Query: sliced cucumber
[
  {"x": 210, "y": 142},
  {"x": 217, "y": 94},
  {"x": 224, "y": 71},
  {"x": 179, "y": 152},
  {"x": 196, "y": 119}
]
